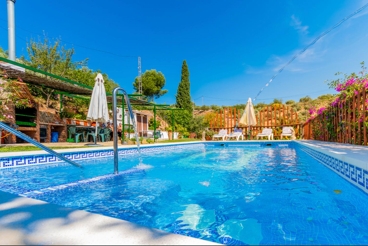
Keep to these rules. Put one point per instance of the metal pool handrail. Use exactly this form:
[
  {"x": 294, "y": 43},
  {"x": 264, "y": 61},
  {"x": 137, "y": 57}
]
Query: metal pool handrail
[
  {"x": 115, "y": 122},
  {"x": 37, "y": 144}
]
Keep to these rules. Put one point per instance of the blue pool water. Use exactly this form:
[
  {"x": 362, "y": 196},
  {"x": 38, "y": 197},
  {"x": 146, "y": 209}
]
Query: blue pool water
[{"x": 232, "y": 195}]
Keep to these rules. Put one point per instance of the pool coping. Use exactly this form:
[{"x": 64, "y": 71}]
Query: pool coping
[{"x": 27, "y": 221}]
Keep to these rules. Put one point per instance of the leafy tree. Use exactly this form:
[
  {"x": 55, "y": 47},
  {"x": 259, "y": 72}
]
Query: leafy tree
[
  {"x": 151, "y": 125},
  {"x": 215, "y": 107},
  {"x": 259, "y": 106},
  {"x": 183, "y": 99},
  {"x": 290, "y": 102},
  {"x": 208, "y": 117},
  {"x": 239, "y": 106},
  {"x": 326, "y": 97},
  {"x": 53, "y": 57},
  {"x": 152, "y": 84},
  {"x": 197, "y": 125},
  {"x": 3, "y": 53},
  {"x": 305, "y": 99},
  {"x": 277, "y": 101},
  {"x": 204, "y": 107}
]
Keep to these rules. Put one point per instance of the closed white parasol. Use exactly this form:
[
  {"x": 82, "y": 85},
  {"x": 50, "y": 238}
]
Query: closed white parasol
[{"x": 98, "y": 106}]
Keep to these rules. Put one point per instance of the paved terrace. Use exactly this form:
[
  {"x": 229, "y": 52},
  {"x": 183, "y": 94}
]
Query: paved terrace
[
  {"x": 353, "y": 154},
  {"x": 30, "y": 221}
]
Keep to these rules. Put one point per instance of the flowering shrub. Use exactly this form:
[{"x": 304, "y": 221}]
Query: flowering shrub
[
  {"x": 9, "y": 93},
  {"x": 348, "y": 127},
  {"x": 320, "y": 110},
  {"x": 4, "y": 115},
  {"x": 352, "y": 86}
]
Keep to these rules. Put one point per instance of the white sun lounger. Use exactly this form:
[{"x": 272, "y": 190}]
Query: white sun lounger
[
  {"x": 222, "y": 134},
  {"x": 237, "y": 134},
  {"x": 266, "y": 132},
  {"x": 287, "y": 131}
]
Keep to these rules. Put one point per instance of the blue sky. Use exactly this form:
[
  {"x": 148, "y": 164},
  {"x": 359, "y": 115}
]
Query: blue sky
[{"x": 232, "y": 47}]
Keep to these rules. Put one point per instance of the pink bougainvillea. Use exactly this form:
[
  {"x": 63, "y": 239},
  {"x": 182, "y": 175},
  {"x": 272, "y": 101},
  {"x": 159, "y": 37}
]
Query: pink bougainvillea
[{"x": 320, "y": 110}]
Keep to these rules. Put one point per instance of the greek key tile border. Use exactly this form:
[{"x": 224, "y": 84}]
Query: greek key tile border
[
  {"x": 355, "y": 175},
  {"x": 19, "y": 161}
]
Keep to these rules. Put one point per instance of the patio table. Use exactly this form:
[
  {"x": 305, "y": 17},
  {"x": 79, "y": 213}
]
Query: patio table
[{"x": 84, "y": 130}]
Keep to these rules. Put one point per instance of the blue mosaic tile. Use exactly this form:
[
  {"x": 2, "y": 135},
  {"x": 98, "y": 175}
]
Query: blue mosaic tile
[
  {"x": 35, "y": 193},
  {"x": 356, "y": 175},
  {"x": 360, "y": 176},
  {"x": 366, "y": 178},
  {"x": 18, "y": 161},
  {"x": 346, "y": 169}
]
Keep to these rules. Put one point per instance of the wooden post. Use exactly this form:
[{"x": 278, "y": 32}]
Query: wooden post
[
  {"x": 269, "y": 113},
  {"x": 338, "y": 114},
  {"x": 260, "y": 117},
  {"x": 364, "y": 115},
  {"x": 226, "y": 115},
  {"x": 335, "y": 123},
  {"x": 359, "y": 133},
  {"x": 232, "y": 117},
  {"x": 349, "y": 120},
  {"x": 352, "y": 107}
]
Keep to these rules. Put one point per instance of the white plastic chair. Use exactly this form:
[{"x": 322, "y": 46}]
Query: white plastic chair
[
  {"x": 266, "y": 132},
  {"x": 222, "y": 134}
]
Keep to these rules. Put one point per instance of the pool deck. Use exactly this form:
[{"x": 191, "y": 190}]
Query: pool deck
[
  {"x": 353, "y": 154},
  {"x": 25, "y": 221}
]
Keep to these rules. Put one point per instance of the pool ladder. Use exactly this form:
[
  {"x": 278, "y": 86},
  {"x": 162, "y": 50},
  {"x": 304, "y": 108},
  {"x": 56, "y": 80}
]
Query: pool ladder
[{"x": 115, "y": 122}]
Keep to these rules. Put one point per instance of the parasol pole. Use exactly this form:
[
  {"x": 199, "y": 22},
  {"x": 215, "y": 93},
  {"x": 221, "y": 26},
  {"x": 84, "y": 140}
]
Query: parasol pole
[{"x": 98, "y": 110}]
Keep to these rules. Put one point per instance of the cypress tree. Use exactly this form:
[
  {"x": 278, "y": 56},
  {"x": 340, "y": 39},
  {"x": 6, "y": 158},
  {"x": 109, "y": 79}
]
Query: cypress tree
[{"x": 183, "y": 99}]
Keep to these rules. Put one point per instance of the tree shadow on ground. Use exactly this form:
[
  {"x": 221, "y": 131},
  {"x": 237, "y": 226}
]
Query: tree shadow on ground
[{"x": 29, "y": 221}]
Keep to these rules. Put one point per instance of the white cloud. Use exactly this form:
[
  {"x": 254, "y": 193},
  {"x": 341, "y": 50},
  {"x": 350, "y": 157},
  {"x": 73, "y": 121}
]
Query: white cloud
[
  {"x": 297, "y": 24},
  {"x": 300, "y": 64}
]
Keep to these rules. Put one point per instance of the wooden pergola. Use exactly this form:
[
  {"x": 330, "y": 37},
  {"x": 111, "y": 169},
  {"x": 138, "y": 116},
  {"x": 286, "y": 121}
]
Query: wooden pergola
[{"x": 65, "y": 87}]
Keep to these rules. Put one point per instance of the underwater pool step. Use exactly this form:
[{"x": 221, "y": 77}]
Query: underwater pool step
[{"x": 33, "y": 194}]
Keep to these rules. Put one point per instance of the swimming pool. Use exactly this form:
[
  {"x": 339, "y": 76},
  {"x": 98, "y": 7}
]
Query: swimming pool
[{"x": 227, "y": 193}]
